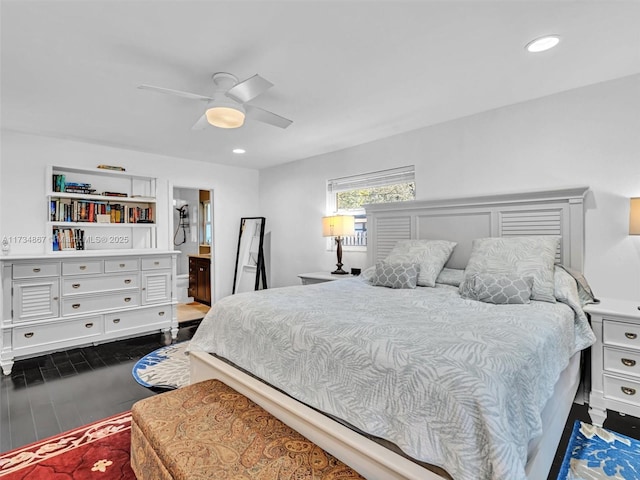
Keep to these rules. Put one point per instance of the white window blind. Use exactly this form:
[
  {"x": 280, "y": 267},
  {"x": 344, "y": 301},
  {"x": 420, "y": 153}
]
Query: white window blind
[{"x": 392, "y": 176}]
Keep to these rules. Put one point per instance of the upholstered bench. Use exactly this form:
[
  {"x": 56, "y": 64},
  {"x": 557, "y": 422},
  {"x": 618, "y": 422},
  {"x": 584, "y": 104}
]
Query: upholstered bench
[{"x": 209, "y": 431}]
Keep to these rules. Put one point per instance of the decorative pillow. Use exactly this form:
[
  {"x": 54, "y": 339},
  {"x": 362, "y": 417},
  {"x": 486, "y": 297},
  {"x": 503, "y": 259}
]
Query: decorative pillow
[
  {"x": 395, "y": 275},
  {"x": 450, "y": 276},
  {"x": 431, "y": 255},
  {"x": 497, "y": 288},
  {"x": 532, "y": 256},
  {"x": 368, "y": 273}
]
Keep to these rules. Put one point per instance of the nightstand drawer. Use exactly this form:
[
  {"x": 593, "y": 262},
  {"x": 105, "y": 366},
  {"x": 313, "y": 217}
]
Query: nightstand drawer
[
  {"x": 622, "y": 361},
  {"x": 622, "y": 389},
  {"x": 620, "y": 333}
]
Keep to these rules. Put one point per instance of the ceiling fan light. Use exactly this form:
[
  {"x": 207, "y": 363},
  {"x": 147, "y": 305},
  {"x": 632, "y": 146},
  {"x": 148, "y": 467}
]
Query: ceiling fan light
[{"x": 225, "y": 117}]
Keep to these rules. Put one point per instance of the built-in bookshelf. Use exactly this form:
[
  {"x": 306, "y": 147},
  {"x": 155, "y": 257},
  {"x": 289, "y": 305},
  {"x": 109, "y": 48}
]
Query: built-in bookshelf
[{"x": 100, "y": 209}]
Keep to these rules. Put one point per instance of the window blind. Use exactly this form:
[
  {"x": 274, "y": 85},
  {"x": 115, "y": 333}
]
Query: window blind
[{"x": 391, "y": 176}]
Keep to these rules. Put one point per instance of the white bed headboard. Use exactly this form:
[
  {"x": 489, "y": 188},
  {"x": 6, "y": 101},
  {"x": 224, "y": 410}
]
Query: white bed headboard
[{"x": 548, "y": 212}]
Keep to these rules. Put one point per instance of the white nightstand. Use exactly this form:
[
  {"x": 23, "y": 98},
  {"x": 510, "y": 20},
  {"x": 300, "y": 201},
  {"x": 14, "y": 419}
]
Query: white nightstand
[
  {"x": 320, "y": 277},
  {"x": 615, "y": 359}
]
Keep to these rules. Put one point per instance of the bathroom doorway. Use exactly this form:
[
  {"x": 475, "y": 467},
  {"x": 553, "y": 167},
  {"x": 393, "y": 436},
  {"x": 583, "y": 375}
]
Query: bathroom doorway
[{"x": 192, "y": 237}]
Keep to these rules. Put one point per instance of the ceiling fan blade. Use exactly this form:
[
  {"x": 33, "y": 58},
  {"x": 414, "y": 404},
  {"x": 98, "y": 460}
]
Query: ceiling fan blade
[
  {"x": 170, "y": 91},
  {"x": 249, "y": 88},
  {"x": 201, "y": 123},
  {"x": 257, "y": 113}
]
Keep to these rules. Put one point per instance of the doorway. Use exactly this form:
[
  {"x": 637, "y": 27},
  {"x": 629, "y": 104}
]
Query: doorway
[{"x": 192, "y": 237}]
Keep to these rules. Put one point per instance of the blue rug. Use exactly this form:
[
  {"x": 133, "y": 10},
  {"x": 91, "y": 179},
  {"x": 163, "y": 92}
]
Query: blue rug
[
  {"x": 167, "y": 367},
  {"x": 596, "y": 453}
]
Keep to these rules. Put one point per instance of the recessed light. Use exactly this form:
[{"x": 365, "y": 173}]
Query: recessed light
[
  {"x": 239, "y": 150},
  {"x": 542, "y": 44}
]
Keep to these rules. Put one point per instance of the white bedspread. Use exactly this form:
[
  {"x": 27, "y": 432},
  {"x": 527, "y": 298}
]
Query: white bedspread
[{"x": 456, "y": 383}]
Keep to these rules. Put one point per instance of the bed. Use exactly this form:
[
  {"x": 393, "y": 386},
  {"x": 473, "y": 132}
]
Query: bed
[{"x": 456, "y": 387}]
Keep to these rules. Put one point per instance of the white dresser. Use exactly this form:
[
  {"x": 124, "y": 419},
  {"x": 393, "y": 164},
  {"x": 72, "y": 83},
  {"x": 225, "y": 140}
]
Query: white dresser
[
  {"x": 54, "y": 302},
  {"x": 615, "y": 359}
]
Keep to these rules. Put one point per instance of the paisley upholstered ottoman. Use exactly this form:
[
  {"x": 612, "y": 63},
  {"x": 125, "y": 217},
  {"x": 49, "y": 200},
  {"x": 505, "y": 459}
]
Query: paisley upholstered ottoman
[{"x": 209, "y": 431}]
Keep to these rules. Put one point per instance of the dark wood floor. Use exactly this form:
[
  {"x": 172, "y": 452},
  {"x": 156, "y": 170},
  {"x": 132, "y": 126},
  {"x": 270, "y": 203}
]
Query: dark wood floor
[{"x": 53, "y": 393}]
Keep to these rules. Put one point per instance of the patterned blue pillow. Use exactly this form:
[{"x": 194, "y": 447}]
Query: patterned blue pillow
[
  {"x": 497, "y": 289},
  {"x": 396, "y": 275}
]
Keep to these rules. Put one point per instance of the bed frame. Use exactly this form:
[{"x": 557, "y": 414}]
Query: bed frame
[{"x": 549, "y": 212}]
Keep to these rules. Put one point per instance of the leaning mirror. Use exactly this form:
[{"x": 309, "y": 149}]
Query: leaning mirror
[{"x": 250, "y": 273}]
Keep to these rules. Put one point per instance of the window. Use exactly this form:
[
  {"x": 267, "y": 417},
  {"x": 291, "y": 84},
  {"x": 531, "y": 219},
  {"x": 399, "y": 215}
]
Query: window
[{"x": 349, "y": 195}]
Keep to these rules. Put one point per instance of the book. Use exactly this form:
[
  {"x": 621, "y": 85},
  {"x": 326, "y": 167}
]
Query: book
[{"x": 112, "y": 167}]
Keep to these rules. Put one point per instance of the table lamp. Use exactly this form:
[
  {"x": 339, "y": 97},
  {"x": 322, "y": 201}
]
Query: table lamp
[
  {"x": 634, "y": 216},
  {"x": 338, "y": 226}
]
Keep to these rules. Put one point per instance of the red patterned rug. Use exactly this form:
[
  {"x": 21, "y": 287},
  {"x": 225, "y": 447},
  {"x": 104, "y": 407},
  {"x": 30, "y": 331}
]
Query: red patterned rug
[{"x": 98, "y": 450}]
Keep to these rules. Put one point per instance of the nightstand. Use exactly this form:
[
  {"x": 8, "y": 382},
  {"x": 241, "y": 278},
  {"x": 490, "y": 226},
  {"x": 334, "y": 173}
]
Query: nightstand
[
  {"x": 615, "y": 359},
  {"x": 320, "y": 277}
]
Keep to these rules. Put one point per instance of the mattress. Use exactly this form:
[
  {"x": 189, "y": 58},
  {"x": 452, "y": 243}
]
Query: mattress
[{"x": 455, "y": 383}]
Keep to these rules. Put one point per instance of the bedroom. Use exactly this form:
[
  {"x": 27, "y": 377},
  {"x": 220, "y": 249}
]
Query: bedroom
[{"x": 576, "y": 126}]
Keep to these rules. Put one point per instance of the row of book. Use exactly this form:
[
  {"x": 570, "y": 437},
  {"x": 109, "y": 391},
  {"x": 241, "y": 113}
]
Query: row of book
[
  {"x": 88, "y": 211},
  {"x": 61, "y": 185},
  {"x": 68, "y": 239}
]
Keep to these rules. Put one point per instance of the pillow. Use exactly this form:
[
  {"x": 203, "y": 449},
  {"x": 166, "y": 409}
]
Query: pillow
[
  {"x": 450, "y": 276},
  {"x": 395, "y": 275},
  {"x": 497, "y": 288},
  {"x": 430, "y": 255},
  {"x": 532, "y": 256}
]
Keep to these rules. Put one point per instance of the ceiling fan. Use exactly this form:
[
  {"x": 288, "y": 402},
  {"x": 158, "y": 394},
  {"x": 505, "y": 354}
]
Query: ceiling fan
[{"x": 227, "y": 107}]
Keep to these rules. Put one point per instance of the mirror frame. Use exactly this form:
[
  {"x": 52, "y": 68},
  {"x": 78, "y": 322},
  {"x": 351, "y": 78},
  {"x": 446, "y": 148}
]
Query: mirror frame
[{"x": 261, "y": 274}]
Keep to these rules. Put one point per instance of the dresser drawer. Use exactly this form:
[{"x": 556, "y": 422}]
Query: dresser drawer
[
  {"x": 157, "y": 316},
  {"x": 622, "y": 389},
  {"x": 622, "y": 361},
  {"x": 154, "y": 263},
  {"x": 121, "y": 265},
  {"x": 34, "y": 336},
  {"x": 620, "y": 333},
  {"x": 107, "y": 301},
  {"x": 102, "y": 283},
  {"x": 30, "y": 270},
  {"x": 82, "y": 268}
]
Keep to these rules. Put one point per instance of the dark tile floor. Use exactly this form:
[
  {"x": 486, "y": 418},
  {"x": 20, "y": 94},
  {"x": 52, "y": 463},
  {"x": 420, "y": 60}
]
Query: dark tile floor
[{"x": 53, "y": 393}]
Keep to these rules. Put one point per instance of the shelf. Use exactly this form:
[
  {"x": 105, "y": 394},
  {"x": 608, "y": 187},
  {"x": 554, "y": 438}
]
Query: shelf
[
  {"x": 101, "y": 198},
  {"x": 102, "y": 172},
  {"x": 101, "y": 225}
]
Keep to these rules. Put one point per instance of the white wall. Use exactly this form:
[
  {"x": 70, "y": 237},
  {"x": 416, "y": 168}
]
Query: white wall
[
  {"x": 588, "y": 136},
  {"x": 23, "y": 205}
]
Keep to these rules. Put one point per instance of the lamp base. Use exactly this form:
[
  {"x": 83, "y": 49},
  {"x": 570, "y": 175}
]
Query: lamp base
[{"x": 339, "y": 271}]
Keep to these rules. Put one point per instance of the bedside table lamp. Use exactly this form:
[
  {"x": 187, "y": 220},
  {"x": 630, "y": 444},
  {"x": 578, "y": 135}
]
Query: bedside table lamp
[
  {"x": 338, "y": 226},
  {"x": 634, "y": 216}
]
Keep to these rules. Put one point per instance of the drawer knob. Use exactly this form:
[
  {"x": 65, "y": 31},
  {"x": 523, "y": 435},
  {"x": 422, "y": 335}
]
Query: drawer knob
[
  {"x": 628, "y": 362},
  {"x": 75, "y": 305},
  {"x": 161, "y": 313},
  {"x": 76, "y": 285},
  {"x": 127, "y": 299},
  {"x": 156, "y": 263},
  {"x": 83, "y": 267},
  {"x": 631, "y": 336},
  {"x": 88, "y": 325},
  {"x": 122, "y": 265},
  {"x": 36, "y": 270},
  {"x": 116, "y": 320},
  {"x": 28, "y": 335},
  {"x": 628, "y": 390},
  {"x": 55, "y": 298},
  {"x": 127, "y": 281}
]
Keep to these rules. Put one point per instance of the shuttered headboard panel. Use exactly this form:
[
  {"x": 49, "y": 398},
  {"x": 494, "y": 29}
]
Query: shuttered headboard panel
[{"x": 549, "y": 212}]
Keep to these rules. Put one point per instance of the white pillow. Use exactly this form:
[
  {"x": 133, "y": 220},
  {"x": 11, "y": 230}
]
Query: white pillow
[
  {"x": 532, "y": 256},
  {"x": 431, "y": 255}
]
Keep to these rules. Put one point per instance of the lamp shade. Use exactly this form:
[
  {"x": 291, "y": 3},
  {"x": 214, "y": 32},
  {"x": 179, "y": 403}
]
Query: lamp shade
[
  {"x": 338, "y": 226},
  {"x": 634, "y": 217}
]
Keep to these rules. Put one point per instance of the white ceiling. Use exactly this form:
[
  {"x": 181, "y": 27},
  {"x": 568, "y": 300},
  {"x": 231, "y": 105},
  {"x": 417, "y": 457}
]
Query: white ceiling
[{"x": 345, "y": 72}]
